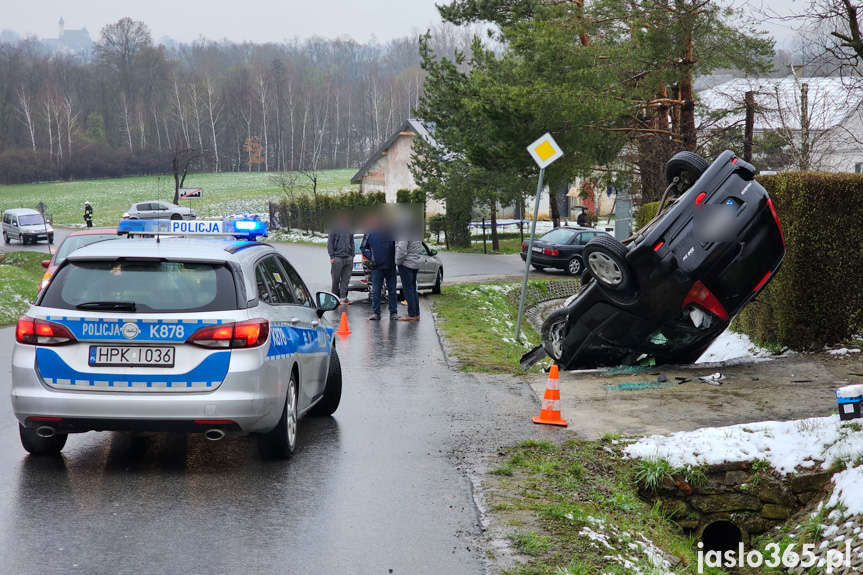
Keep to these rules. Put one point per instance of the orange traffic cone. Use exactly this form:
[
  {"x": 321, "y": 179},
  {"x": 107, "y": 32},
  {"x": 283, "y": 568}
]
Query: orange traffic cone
[
  {"x": 343, "y": 326},
  {"x": 550, "y": 413}
]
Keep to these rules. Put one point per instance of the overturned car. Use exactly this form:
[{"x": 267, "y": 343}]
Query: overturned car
[{"x": 671, "y": 289}]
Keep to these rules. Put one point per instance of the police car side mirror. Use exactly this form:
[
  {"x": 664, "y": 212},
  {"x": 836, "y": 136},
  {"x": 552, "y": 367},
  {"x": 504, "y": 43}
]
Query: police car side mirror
[{"x": 326, "y": 302}]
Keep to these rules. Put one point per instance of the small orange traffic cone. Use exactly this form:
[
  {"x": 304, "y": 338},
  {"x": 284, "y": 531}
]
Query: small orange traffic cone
[
  {"x": 550, "y": 413},
  {"x": 343, "y": 325}
]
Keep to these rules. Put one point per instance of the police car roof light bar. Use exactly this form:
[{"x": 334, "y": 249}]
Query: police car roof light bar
[{"x": 241, "y": 229}]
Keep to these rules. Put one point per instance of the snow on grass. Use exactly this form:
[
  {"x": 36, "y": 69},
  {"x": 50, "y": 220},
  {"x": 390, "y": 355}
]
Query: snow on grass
[
  {"x": 818, "y": 442},
  {"x": 788, "y": 446},
  {"x": 636, "y": 554},
  {"x": 225, "y": 194},
  {"x": 297, "y": 236},
  {"x": 847, "y": 490},
  {"x": 732, "y": 346}
]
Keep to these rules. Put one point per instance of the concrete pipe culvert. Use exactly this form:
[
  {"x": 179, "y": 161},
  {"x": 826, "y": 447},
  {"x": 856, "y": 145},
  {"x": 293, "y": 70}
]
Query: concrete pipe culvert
[{"x": 721, "y": 536}]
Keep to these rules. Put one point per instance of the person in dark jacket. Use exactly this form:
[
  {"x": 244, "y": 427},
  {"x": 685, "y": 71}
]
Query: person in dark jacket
[
  {"x": 380, "y": 250},
  {"x": 88, "y": 214},
  {"x": 409, "y": 259},
  {"x": 340, "y": 246},
  {"x": 581, "y": 220}
]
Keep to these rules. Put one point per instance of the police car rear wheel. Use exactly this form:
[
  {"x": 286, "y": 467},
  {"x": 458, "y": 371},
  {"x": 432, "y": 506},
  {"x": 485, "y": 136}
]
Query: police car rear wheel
[
  {"x": 333, "y": 390},
  {"x": 36, "y": 445},
  {"x": 606, "y": 259},
  {"x": 282, "y": 440}
]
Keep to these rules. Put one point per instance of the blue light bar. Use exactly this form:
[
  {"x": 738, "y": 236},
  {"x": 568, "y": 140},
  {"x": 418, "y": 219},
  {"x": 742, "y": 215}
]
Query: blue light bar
[{"x": 240, "y": 229}]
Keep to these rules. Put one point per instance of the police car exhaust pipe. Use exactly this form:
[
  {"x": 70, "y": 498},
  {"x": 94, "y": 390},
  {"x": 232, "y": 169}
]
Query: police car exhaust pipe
[
  {"x": 45, "y": 431},
  {"x": 213, "y": 434}
]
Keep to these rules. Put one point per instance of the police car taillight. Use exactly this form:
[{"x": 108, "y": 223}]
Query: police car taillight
[
  {"x": 40, "y": 332},
  {"x": 251, "y": 333}
]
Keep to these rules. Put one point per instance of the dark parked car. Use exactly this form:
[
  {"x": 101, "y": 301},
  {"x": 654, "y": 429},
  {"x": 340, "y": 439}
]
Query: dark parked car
[
  {"x": 670, "y": 290},
  {"x": 560, "y": 248}
]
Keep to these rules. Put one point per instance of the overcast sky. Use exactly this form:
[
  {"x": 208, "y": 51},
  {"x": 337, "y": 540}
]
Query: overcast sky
[
  {"x": 262, "y": 20},
  {"x": 254, "y": 20}
]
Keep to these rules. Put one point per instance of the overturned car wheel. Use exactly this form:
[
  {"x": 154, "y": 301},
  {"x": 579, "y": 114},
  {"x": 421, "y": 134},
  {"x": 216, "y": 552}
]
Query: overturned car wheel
[
  {"x": 606, "y": 260},
  {"x": 554, "y": 331},
  {"x": 687, "y": 166}
]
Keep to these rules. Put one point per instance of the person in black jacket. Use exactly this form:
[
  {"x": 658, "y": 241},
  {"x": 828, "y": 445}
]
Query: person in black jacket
[
  {"x": 88, "y": 214},
  {"x": 340, "y": 246},
  {"x": 581, "y": 220},
  {"x": 380, "y": 249}
]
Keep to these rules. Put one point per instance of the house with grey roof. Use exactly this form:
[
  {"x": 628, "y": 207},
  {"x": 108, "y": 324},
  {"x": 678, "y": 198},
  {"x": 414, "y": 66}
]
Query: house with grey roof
[
  {"x": 388, "y": 168},
  {"x": 831, "y": 107}
]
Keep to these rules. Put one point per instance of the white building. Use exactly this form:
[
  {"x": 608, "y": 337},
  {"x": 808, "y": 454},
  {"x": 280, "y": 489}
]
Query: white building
[{"x": 834, "y": 109}]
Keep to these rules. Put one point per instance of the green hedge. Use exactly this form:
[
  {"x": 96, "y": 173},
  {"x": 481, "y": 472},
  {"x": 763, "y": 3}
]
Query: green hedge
[
  {"x": 310, "y": 213},
  {"x": 816, "y": 298},
  {"x": 645, "y": 213},
  {"x": 410, "y": 196}
]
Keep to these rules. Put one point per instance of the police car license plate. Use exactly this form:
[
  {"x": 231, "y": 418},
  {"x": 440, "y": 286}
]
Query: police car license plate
[{"x": 131, "y": 356}]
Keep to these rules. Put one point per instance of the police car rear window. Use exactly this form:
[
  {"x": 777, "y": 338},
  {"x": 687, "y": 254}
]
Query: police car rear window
[{"x": 152, "y": 285}]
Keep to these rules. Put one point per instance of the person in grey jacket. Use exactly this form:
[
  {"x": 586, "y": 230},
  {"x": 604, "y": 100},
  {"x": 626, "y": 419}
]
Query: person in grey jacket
[
  {"x": 340, "y": 245},
  {"x": 408, "y": 258}
]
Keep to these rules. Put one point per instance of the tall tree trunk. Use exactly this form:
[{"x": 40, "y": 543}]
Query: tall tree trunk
[
  {"x": 805, "y": 153},
  {"x": 553, "y": 209},
  {"x": 749, "y": 126}
]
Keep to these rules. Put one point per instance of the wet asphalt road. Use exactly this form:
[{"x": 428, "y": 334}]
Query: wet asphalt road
[{"x": 381, "y": 487}]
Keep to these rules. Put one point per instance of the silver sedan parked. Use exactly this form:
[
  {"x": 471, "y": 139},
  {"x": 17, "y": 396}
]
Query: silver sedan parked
[
  {"x": 160, "y": 210},
  {"x": 429, "y": 276}
]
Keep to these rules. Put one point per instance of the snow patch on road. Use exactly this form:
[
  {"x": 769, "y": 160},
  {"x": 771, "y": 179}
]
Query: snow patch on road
[{"x": 843, "y": 351}]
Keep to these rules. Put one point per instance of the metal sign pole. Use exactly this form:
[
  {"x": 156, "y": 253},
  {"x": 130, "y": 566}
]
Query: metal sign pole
[{"x": 529, "y": 253}]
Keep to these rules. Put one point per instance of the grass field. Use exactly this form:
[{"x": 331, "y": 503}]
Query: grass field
[
  {"x": 478, "y": 322},
  {"x": 225, "y": 194},
  {"x": 20, "y": 273}
]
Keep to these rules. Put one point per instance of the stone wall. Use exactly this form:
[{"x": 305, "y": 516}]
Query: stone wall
[{"x": 753, "y": 500}]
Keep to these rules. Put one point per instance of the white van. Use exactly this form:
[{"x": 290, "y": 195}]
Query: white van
[{"x": 26, "y": 226}]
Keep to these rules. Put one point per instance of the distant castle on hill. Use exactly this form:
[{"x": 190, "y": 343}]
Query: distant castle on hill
[{"x": 76, "y": 42}]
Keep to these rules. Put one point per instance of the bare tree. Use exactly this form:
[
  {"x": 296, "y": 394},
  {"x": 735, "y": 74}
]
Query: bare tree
[
  {"x": 182, "y": 158},
  {"x": 118, "y": 47},
  {"x": 214, "y": 110},
  {"x": 287, "y": 181},
  {"x": 26, "y": 113},
  {"x": 262, "y": 92}
]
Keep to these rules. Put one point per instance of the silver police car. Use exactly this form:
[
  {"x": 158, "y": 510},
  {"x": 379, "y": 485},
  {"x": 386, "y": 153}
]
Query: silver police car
[{"x": 175, "y": 334}]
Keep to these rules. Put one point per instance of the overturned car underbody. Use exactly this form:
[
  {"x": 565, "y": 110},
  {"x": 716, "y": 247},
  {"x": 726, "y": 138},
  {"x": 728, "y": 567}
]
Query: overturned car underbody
[{"x": 670, "y": 290}]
